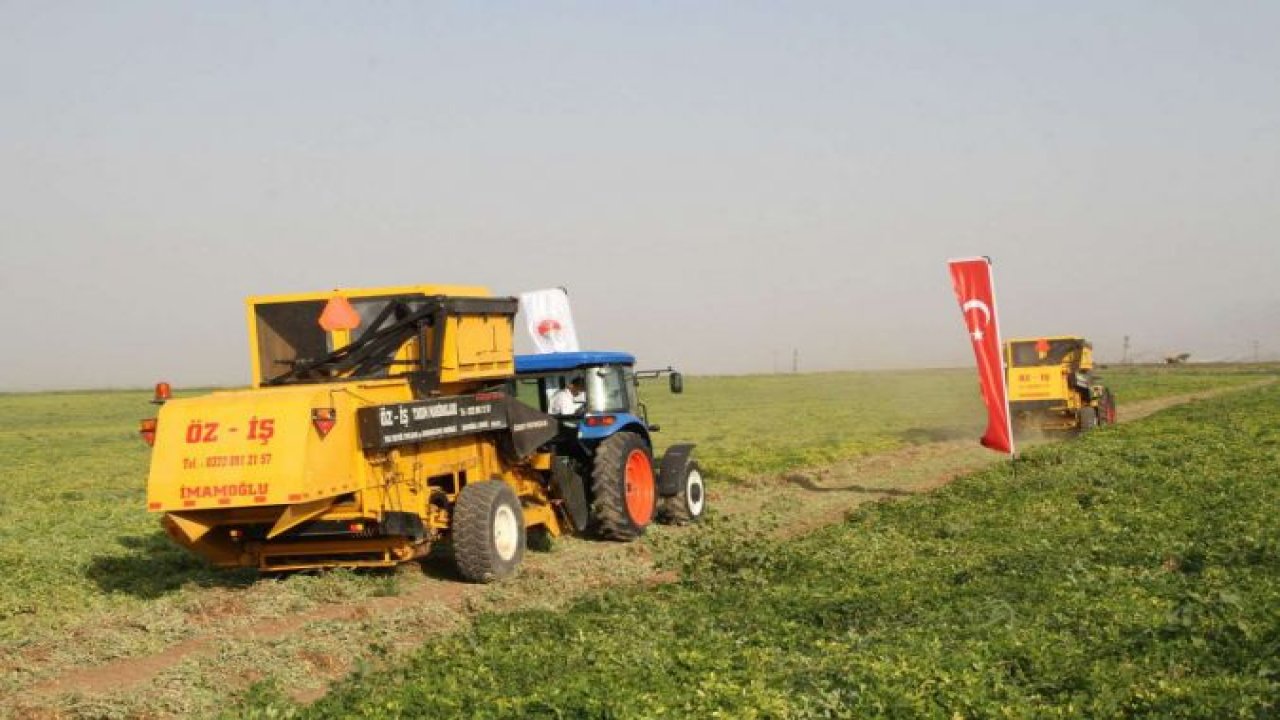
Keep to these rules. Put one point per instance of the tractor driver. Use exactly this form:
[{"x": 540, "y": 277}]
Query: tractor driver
[{"x": 568, "y": 400}]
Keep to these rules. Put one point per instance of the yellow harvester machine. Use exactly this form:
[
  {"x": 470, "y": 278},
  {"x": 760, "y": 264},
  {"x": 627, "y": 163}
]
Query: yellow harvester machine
[
  {"x": 1052, "y": 386},
  {"x": 360, "y": 448}
]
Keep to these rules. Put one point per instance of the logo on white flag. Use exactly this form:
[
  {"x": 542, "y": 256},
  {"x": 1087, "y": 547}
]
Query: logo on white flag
[{"x": 549, "y": 320}]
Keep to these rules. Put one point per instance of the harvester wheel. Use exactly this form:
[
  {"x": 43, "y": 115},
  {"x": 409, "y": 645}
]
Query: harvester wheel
[
  {"x": 1088, "y": 418},
  {"x": 687, "y": 505},
  {"x": 624, "y": 493},
  {"x": 488, "y": 531}
]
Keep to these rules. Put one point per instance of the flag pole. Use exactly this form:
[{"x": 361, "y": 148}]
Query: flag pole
[{"x": 1004, "y": 373}]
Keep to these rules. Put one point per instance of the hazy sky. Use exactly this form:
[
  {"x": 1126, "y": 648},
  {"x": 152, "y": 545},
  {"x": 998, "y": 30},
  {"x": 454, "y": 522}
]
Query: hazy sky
[{"x": 716, "y": 183}]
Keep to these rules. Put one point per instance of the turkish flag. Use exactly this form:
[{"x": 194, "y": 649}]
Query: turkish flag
[{"x": 975, "y": 290}]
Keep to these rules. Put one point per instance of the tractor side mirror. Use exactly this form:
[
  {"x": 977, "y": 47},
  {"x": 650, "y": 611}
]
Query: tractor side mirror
[{"x": 677, "y": 382}]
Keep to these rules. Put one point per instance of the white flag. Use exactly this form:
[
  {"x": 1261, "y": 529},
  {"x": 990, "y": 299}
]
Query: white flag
[{"x": 547, "y": 317}]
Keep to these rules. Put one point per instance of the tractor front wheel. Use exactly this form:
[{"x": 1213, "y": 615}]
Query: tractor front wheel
[
  {"x": 624, "y": 494},
  {"x": 488, "y": 531},
  {"x": 687, "y": 505}
]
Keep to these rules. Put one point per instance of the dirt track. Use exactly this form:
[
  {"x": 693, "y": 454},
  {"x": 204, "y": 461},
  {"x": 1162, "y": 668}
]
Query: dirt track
[{"x": 318, "y": 641}]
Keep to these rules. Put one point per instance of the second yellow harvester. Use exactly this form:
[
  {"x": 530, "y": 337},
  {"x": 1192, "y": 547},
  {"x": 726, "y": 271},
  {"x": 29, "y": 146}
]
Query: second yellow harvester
[{"x": 1052, "y": 386}]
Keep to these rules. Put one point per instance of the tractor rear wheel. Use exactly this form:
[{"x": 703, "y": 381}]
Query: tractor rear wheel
[
  {"x": 488, "y": 531},
  {"x": 624, "y": 493},
  {"x": 687, "y": 505}
]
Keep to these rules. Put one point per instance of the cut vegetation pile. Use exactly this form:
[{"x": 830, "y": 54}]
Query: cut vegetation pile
[{"x": 1136, "y": 572}]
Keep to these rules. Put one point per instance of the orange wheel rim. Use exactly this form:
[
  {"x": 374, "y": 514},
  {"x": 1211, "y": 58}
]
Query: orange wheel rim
[{"x": 640, "y": 487}]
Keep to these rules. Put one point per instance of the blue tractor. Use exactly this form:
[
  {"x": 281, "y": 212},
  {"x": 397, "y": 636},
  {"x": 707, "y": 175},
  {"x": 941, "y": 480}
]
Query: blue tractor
[{"x": 603, "y": 468}]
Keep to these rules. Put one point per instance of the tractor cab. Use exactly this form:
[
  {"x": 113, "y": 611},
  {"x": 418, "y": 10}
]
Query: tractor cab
[{"x": 596, "y": 393}]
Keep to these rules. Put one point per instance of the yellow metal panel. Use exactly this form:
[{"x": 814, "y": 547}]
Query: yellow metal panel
[
  {"x": 255, "y": 363},
  {"x": 260, "y": 447},
  {"x": 1086, "y": 358},
  {"x": 539, "y": 515},
  {"x": 477, "y": 347},
  {"x": 338, "y": 338},
  {"x": 1037, "y": 383},
  {"x": 192, "y": 526},
  {"x": 295, "y": 515},
  {"x": 194, "y": 531},
  {"x": 378, "y": 552},
  {"x": 353, "y": 293},
  {"x": 1050, "y": 338}
]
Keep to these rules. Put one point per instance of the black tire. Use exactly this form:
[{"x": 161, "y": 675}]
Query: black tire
[
  {"x": 688, "y": 505},
  {"x": 1088, "y": 418},
  {"x": 622, "y": 507},
  {"x": 488, "y": 531}
]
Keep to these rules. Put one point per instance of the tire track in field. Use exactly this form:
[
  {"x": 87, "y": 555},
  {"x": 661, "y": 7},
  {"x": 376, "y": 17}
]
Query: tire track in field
[{"x": 793, "y": 503}]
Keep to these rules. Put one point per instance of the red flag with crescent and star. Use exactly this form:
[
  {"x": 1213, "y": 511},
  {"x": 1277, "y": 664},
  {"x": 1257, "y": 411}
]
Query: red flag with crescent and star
[{"x": 976, "y": 292}]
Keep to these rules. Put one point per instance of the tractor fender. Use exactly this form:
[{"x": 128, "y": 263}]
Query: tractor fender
[
  {"x": 674, "y": 465},
  {"x": 570, "y": 487}
]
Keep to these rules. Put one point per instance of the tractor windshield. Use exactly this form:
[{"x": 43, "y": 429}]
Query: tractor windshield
[
  {"x": 610, "y": 389},
  {"x": 1032, "y": 353}
]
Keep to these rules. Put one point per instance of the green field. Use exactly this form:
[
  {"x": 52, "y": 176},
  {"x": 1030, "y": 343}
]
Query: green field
[
  {"x": 765, "y": 423},
  {"x": 90, "y": 577},
  {"x": 1133, "y": 573},
  {"x": 1136, "y": 383}
]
